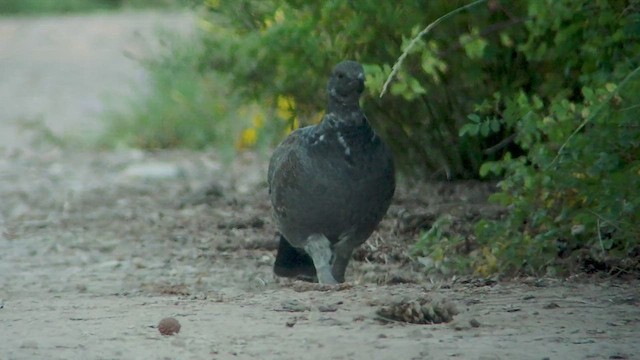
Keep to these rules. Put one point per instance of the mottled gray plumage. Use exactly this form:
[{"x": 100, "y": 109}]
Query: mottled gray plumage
[{"x": 330, "y": 184}]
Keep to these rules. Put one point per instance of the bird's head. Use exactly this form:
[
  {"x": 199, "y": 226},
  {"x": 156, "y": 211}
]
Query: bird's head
[{"x": 346, "y": 83}]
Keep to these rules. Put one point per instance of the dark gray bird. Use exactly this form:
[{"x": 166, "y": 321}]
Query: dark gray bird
[{"x": 330, "y": 184}]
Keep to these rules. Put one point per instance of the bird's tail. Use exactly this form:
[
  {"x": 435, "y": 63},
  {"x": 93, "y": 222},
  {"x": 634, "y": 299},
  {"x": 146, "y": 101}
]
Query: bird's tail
[{"x": 294, "y": 263}]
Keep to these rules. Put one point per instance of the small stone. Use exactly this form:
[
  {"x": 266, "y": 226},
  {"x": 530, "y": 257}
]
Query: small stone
[
  {"x": 291, "y": 322},
  {"x": 474, "y": 323},
  {"x": 327, "y": 308},
  {"x": 458, "y": 327},
  {"x": 583, "y": 341},
  {"x": 551, "y": 305},
  {"x": 511, "y": 308},
  {"x": 331, "y": 321},
  {"x": 294, "y": 306},
  {"x": 619, "y": 356},
  {"x": 169, "y": 326}
]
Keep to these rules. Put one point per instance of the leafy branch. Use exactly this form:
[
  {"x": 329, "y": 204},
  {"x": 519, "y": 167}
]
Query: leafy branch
[{"x": 414, "y": 41}]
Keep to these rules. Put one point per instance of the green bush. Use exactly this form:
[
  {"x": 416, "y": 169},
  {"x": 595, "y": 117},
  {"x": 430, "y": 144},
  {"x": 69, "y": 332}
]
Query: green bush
[
  {"x": 438, "y": 249},
  {"x": 569, "y": 122},
  {"x": 575, "y": 192},
  {"x": 286, "y": 48}
]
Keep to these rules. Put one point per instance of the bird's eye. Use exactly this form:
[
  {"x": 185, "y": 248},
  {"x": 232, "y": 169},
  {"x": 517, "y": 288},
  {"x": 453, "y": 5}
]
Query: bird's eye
[{"x": 340, "y": 76}]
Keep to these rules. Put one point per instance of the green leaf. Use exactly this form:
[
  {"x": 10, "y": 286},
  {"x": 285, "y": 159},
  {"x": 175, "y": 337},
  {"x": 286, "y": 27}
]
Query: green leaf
[
  {"x": 485, "y": 128},
  {"x": 474, "y": 118},
  {"x": 506, "y": 40},
  {"x": 469, "y": 129},
  {"x": 495, "y": 125}
]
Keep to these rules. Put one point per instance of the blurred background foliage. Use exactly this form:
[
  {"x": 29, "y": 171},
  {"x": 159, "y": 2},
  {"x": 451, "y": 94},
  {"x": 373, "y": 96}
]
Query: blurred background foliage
[
  {"x": 29, "y": 7},
  {"x": 185, "y": 107},
  {"x": 286, "y": 49},
  {"x": 540, "y": 95}
]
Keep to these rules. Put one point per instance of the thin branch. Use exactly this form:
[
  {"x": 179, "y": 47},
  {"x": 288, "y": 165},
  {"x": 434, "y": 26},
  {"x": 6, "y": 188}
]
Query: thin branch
[
  {"x": 605, "y": 220},
  {"x": 604, "y": 252},
  {"x": 414, "y": 41},
  {"x": 503, "y": 143},
  {"x": 595, "y": 113},
  {"x": 629, "y": 108}
]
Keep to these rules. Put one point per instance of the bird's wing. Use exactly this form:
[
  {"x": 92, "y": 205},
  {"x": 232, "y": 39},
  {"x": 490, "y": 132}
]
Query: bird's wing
[{"x": 286, "y": 152}]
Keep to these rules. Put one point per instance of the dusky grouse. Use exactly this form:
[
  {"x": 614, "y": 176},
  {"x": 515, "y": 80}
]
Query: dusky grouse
[{"x": 330, "y": 184}]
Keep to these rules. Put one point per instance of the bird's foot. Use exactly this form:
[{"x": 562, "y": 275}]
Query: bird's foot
[
  {"x": 319, "y": 248},
  {"x": 325, "y": 276}
]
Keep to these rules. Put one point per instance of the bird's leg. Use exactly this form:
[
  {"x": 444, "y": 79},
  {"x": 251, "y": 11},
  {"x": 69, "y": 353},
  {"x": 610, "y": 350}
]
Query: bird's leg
[
  {"x": 319, "y": 248},
  {"x": 342, "y": 254},
  {"x": 294, "y": 263}
]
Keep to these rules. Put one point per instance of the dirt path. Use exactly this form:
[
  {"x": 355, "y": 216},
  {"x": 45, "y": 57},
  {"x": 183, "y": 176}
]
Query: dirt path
[
  {"x": 95, "y": 249},
  {"x": 60, "y": 71}
]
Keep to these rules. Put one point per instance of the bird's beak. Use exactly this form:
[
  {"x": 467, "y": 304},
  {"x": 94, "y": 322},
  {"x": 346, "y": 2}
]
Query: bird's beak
[{"x": 361, "y": 80}]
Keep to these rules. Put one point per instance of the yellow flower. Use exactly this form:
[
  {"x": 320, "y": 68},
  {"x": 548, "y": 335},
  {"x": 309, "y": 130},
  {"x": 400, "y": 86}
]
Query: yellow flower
[
  {"x": 248, "y": 138},
  {"x": 285, "y": 106},
  {"x": 285, "y": 109}
]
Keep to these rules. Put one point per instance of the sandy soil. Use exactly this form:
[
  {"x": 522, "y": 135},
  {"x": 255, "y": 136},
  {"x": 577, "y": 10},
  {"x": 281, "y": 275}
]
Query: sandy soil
[{"x": 97, "y": 247}]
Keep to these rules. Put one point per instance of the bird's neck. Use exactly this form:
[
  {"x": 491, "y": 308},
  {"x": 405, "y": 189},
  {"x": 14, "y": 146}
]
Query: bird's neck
[
  {"x": 343, "y": 105},
  {"x": 345, "y": 113}
]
